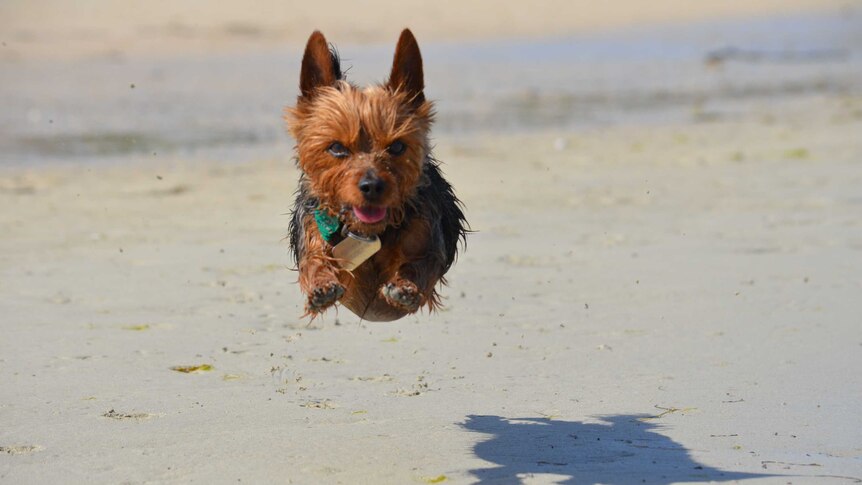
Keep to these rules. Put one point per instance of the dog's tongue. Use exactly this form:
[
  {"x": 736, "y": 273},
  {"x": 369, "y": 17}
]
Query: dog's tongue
[{"x": 369, "y": 215}]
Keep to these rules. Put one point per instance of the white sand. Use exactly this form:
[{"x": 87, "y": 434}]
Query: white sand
[{"x": 695, "y": 285}]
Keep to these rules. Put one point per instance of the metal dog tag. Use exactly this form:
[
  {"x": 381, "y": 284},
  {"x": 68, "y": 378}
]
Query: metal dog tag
[{"x": 355, "y": 249}]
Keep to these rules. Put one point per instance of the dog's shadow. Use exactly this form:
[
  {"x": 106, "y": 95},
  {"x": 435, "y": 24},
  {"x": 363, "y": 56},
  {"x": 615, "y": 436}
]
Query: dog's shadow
[{"x": 621, "y": 449}]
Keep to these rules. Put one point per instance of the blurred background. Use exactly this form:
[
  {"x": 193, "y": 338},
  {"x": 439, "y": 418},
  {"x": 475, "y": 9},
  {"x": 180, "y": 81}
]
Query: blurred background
[{"x": 99, "y": 81}]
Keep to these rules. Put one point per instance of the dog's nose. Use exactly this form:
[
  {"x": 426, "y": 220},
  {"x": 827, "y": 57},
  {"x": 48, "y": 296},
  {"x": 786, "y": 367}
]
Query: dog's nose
[{"x": 371, "y": 186}]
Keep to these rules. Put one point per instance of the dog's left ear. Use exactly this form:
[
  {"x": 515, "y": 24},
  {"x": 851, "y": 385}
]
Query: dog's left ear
[{"x": 407, "y": 69}]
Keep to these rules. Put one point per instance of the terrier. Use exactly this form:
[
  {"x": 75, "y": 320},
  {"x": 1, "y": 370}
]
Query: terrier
[{"x": 375, "y": 226}]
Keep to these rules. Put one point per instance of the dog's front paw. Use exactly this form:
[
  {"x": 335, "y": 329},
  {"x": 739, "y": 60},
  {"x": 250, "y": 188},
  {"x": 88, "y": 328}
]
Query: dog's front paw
[
  {"x": 403, "y": 294},
  {"x": 323, "y": 297}
]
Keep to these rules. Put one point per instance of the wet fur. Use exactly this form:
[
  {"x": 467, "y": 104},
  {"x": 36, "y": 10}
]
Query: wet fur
[{"x": 424, "y": 223}]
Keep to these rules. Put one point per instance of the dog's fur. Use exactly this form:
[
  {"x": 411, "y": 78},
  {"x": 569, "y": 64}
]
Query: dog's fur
[{"x": 383, "y": 130}]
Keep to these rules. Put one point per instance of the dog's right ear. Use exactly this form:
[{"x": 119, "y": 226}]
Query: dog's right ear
[{"x": 320, "y": 65}]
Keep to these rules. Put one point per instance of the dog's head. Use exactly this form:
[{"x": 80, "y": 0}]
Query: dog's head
[{"x": 361, "y": 149}]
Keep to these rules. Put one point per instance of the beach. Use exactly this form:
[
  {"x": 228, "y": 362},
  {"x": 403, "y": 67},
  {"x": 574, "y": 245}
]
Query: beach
[
  {"x": 56, "y": 29},
  {"x": 661, "y": 286}
]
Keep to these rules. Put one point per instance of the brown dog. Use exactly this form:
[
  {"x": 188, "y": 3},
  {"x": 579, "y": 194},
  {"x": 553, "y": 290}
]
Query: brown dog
[{"x": 369, "y": 183}]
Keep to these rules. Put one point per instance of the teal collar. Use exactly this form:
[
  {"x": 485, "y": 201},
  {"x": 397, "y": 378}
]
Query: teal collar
[{"x": 328, "y": 225}]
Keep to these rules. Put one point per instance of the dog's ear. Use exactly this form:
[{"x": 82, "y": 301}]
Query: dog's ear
[
  {"x": 320, "y": 65},
  {"x": 407, "y": 69}
]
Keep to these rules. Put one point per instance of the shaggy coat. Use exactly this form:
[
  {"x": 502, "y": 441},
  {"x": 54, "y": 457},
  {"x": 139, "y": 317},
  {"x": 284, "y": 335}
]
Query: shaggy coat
[{"x": 345, "y": 137}]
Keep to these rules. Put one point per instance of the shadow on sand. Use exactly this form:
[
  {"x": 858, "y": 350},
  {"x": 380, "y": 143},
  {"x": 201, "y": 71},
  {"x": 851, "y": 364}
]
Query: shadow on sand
[{"x": 622, "y": 449}]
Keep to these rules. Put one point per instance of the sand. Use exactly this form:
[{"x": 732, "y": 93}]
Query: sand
[
  {"x": 671, "y": 303},
  {"x": 58, "y": 29},
  {"x": 642, "y": 302}
]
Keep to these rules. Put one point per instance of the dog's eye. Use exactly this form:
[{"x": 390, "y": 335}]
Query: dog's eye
[
  {"x": 338, "y": 150},
  {"x": 396, "y": 148}
]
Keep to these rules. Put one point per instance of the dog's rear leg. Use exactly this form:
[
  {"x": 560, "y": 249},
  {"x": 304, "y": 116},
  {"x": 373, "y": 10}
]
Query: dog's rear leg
[
  {"x": 415, "y": 271},
  {"x": 413, "y": 286},
  {"x": 404, "y": 294}
]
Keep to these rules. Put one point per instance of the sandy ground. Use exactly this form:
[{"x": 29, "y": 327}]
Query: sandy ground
[
  {"x": 660, "y": 299},
  {"x": 665, "y": 303},
  {"x": 60, "y": 29}
]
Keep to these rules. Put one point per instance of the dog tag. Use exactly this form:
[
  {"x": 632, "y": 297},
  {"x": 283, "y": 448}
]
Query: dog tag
[{"x": 355, "y": 249}]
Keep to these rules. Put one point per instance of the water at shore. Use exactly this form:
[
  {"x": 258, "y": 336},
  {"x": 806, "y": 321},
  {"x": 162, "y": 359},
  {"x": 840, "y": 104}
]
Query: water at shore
[{"x": 227, "y": 106}]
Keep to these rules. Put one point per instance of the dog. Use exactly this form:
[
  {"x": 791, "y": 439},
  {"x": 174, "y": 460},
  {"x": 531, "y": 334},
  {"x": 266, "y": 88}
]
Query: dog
[{"x": 375, "y": 226}]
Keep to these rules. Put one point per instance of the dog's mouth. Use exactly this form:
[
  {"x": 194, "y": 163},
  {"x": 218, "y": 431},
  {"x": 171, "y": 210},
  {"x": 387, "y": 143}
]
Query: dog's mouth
[{"x": 369, "y": 214}]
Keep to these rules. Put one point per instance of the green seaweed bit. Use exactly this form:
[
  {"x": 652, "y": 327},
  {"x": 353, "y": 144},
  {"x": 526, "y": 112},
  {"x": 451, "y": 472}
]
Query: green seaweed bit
[
  {"x": 327, "y": 224},
  {"x": 797, "y": 153},
  {"x": 438, "y": 479},
  {"x": 188, "y": 369}
]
